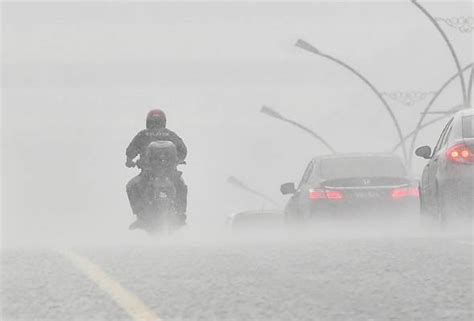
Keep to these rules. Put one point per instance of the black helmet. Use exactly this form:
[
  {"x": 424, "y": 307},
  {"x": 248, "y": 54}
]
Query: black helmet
[{"x": 155, "y": 118}]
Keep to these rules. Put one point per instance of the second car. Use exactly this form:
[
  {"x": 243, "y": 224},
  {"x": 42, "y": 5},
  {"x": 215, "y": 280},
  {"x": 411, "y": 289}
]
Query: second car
[{"x": 351, "y": 185}]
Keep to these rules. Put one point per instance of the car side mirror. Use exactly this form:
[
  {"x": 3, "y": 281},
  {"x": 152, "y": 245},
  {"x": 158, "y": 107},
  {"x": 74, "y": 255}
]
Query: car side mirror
[
  {"x": 423, "y": 151},
  {"x": 288, "y": 188}
]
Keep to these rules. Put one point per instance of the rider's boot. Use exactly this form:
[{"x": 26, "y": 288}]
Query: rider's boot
[
  {"x": 138, "y": 224},
  {"x": 133, "y": 193},
  {"x": 181, "y": 219},
  {"x": 181, "y": 201}
]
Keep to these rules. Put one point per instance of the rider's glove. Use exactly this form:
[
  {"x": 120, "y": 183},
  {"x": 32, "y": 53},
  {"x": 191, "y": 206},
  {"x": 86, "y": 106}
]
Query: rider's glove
[{"x": 129, "y": 163}]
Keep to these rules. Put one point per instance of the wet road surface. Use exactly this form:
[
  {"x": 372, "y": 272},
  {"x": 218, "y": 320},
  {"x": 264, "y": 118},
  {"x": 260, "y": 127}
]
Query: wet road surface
[{"x": 350, "y": 278}]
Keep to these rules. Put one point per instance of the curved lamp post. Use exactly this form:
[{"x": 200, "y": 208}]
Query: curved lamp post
[
  {"x": 308, "y": 47},
  {"x": 274, "y": 114},
  {"x": 426, "y": 110},
  {"x": 450, "y": 46},
  {"x": 239, "y": 184},
  {"x": 469, "y": 88},
  {"x": 431, "y": 122}
]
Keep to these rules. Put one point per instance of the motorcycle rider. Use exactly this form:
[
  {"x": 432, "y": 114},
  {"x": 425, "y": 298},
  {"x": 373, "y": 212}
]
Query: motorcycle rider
[{"x": 155, "y": 131}]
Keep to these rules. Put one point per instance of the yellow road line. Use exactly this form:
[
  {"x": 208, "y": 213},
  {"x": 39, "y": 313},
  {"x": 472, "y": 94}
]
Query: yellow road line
[{"x": 126, "y": 300}]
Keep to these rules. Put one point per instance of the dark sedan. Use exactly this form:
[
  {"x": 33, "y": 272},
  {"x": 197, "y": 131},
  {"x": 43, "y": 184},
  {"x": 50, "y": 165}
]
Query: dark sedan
[
  {"x": 447, "y": 188},
  {"x": 351, "y": 185}
]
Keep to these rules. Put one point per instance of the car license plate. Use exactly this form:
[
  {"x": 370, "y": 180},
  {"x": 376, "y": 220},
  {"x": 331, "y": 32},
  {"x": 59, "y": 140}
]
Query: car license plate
[{"x": 366, "y": 194}]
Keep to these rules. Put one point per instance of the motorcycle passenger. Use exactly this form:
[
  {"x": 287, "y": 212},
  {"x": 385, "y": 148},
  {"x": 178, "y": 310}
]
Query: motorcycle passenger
[{"x": 155, "y": 131}]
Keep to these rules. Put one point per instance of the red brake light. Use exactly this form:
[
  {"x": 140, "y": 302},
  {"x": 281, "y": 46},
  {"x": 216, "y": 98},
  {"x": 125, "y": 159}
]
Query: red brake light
[
  {"x": 403, "y": 192},
  {"x": 460, "y": 153},
  {"x": 316, "y": 194},
  {"x": 334, "y": 195},
  {"x": 324, "y": 194}
]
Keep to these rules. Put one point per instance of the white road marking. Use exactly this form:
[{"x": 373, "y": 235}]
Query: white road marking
[{"x": 126, "y": 300}]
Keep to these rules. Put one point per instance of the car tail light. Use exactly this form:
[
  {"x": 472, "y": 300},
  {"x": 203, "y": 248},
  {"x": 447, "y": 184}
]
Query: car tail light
[
  {"x": 403, "y": 192},
  {"x": 334, "y": 195},
  {"x": 460, "y": 153},
  {"x": 318, "y": 194}
]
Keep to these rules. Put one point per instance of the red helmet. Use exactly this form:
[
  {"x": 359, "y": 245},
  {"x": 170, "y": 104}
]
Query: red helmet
[{"x": 155, "y": 118}]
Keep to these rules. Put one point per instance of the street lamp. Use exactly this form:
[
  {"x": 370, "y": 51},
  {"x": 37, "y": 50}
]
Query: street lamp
[
  {"x": 445, "y": 114},
  {"x": 308, "y": 47},
  {"x": 410, "y": 134},
  {"x": 239, "y": 184},
  {"x": 428, "y": 107},
  {"x": 450, "y": 46},
  {"x": 274, "y": 114}
]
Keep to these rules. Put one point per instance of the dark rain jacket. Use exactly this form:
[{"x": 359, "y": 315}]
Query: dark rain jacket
[{"x": 141, "y": 141}]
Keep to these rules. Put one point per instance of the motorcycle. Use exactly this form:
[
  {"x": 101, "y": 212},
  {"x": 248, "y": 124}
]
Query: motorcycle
[{"x": 159, "y": 215}]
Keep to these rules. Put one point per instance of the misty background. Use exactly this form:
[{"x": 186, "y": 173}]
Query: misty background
[{"x": 79, "y": 78}]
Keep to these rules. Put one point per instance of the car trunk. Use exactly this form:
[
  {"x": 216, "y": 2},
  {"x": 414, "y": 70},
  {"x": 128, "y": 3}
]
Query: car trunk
[
  {"x": 365, "y": 182},
  {"x": 366, "y": 189}
]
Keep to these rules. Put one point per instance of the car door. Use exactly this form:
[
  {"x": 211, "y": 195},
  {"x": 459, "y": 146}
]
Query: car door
[
  {"x": 429, "y": 183},
  {"x": 307, "y": 182},
  {"x": 442, "y": 151},
  {"x": 296, "y": 202}
]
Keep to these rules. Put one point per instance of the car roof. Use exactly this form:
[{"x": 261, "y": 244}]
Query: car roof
[
  {"x": 465, "y": 112},
  {"x": 354, "y": 155}
]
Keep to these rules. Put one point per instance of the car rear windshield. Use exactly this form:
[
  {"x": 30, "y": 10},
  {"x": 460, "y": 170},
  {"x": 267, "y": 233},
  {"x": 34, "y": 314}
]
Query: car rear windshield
[
  {"x": 467, "y": 126},
  {"x": 362, "y": 167}
]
